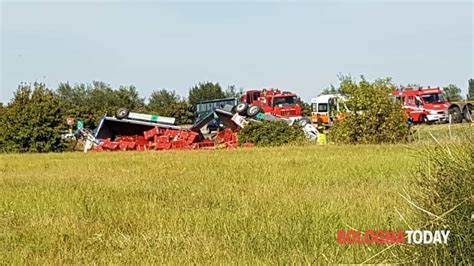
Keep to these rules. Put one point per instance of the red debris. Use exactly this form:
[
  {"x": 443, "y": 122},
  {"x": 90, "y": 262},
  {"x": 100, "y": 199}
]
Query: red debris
[
  {"x": 152, "y": 132},
  {"x": 248, "y": 145},
  {"x": 228, "y": 138},
  {"x": 97, "y": 148},
  {"x": 205, "y": 144},
  {"x": 111, "y": 145},
  {"x": 178, "y": 144},
  {"x": 163, "y": 145},
  {"x": 166, "y": 139}
]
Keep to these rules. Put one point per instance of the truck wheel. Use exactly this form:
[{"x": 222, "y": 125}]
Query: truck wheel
[
  {"x": 469, "y": 112},
  {"x": 425, "y": 120},
  {"x": 456, "y": 114},
  {"x": 122, "y": 113},
  {"x": 241, "y": 108},
  {"x": 253, "y": 110}
]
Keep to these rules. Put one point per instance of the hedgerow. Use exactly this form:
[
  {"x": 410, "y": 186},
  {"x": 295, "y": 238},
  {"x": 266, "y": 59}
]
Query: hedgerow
[
  {"x": 32, "y": 121},
  {"x": 373, "y": 117},
  {"x": 270, "y": 134}
]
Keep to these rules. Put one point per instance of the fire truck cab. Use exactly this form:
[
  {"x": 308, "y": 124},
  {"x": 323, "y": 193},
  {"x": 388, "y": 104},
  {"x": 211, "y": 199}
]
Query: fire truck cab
[
  {"x": 423, "y": 104},
  {"x": 273, "y": 101}
]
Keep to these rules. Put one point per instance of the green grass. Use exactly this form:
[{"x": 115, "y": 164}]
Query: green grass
[
  {"x": 442, "y": 132},
  {"x": 261, "y": 205},
  {"x": 446, "y": 190}
]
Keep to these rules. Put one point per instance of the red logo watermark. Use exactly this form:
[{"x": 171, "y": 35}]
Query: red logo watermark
[{"x": 384, "y": 237}]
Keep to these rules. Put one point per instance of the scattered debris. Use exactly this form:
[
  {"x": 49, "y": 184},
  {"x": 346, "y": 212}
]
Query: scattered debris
[{"x": 141, "y": 132}]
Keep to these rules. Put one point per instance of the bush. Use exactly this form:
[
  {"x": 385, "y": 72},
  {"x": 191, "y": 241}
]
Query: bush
[
  {"x": 89, "y": 102},
  {"x": 444, "y": 188},
  {"x": 167, "y": 103},
  {"x": 374, "y": 118},
  {"x": 205, "y": 91},
  {"x": 270, "y": 134},
  {"x": 31, "y": 122}
]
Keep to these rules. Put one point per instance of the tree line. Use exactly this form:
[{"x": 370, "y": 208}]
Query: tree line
[
  {"x": 33, "y": 121},
  {"x": 89, "y": 102}
]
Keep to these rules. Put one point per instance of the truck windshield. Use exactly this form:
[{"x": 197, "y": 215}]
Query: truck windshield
[
  {"x": 287, "y": 100},
  {"x": 322, "y": 107},
  {"x": 433, "y": 98}
]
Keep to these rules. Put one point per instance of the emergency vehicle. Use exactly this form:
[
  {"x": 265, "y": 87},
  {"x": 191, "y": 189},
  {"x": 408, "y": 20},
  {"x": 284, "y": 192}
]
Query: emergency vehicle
[
  {"x": 273, "y": 101},
  {"x": 326, "y": 109},
  {"x": 425, "y": 105}
]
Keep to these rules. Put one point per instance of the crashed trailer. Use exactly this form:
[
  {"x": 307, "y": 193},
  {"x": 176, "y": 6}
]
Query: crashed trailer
[{"x": 127, "y": 123}]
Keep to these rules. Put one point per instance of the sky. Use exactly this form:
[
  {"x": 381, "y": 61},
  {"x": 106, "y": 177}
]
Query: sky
[{"x": 296, "y": 46}]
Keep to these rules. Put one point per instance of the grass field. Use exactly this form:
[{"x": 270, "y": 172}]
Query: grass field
[
  {"x": 260, "y": 205},
  {"x": 442, "y": 132}
]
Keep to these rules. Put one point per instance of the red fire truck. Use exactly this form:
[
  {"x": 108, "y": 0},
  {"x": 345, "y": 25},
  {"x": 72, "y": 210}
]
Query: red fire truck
[
  {"x": 423, "y": 104},
  {"x": 273, "y": 101}
]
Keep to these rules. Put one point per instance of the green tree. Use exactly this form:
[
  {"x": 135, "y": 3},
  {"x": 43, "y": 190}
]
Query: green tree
[
  {"x": 75, "y": 102},
  {"x": 205, "y": 91},
  {"x": 305, "y": 108},
  {"x": 183, "y": 112},
  {"x": 167, "y": 103},
  {"x": 32, "y": 121},
  {"x": 128, "y": 96},
  {"x": 103, "y": 99},
  {"x": 161, "y": 100},
  {"x": 411, "y": 85},
  {"x": 3, "y": 128},
  {"x": 89, "y": 102},
  {"x": 471, "y": 89},
  {"x": 373, "y": 118},
  {"x": 330, "y": 90},
  {"x": 233, "y": 92},
  {"x": 453, "y": 92}
]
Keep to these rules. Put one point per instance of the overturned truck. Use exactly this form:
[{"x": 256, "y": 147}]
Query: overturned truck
[{"x": 137, "y": 131}]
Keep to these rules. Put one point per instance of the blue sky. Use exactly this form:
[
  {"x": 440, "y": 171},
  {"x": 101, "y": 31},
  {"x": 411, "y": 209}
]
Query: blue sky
[{"x": 299, "y": 46}]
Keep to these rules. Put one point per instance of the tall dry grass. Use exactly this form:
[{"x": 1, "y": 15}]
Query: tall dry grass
[
  {"x": 262, "y": 205},
  {"x": 443, "y": 199}
]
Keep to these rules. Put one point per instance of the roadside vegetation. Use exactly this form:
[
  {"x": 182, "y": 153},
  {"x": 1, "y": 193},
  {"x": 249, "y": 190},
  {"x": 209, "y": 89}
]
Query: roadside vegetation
[
  {"x": 443, "y": 133},
  {"x": 39, "y": 126},
  {"x": 31, "y": 122},
  {"x": 373, "y": 117},
  {"x": 271, "y": 205},
  {"x": 35, "y": 117},
  {"x": 260, "y": 205},
  {"x": 445, "y": 200},
  {"x": 271, "y": 134}
]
